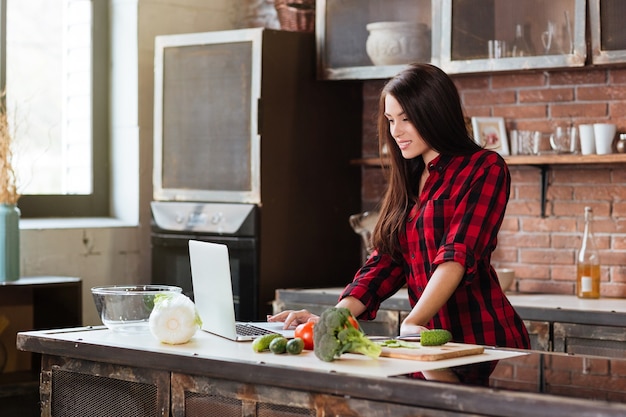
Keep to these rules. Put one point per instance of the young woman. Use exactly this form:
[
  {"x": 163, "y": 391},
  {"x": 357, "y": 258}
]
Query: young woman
[{"x": 439, "y": 220}]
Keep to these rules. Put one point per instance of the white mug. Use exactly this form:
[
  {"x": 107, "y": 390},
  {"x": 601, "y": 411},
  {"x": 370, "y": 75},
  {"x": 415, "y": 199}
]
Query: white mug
[
  {"x": 604, "y": 134},
  {"x": 587, "y": 140}
]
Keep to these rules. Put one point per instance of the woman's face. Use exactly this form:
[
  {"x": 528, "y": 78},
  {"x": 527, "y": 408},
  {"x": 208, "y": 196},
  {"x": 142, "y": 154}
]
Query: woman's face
[{"x": 402, "y": 130}]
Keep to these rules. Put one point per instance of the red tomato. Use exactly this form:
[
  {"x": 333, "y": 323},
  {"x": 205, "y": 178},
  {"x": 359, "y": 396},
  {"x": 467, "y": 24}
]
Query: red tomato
[{"x": 305, "y": 332}]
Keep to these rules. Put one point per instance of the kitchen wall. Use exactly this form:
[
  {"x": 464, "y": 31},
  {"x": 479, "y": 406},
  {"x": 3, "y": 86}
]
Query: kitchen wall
[
  {"x": 542, "y": 250},
  {"x": 116, "y": 250}
]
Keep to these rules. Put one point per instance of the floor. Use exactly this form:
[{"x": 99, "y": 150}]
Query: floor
[{"x": 20, "y": 401}]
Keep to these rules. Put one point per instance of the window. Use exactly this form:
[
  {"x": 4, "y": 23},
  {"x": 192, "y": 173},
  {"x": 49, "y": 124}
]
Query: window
[{"x": 54, "y": 71}]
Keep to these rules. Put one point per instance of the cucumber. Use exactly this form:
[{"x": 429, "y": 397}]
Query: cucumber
[
  {"x": 295, "y": 346},
  {"x": 262, "y": 343},
  {"x": 278, "y": 345},
  {"x": 435, "y": 337}
]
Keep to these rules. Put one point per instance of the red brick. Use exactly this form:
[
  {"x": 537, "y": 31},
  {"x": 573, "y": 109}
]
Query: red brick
[
  {"x": 569, "y": 110},
  {"x": 510, "y": 224},
  {"x": 478, "y": 111},
  {"x": 617, "y": 110},
  {"x": 617, "y": 76},
  {"x": 505, "y": 255},
  {"x": 521, "y": 111},
  {"x": 545, "y": 287},
  {"x": 600, "y": 92},
  {"x": 588, "y": 76},
  {"x": 618, "y": 242},
  {"x": 471, "y": 82},
  {"x": 524, "y": 240},
  {"x": 523, "y": 208},
  {"x": 612, "y": 257},
  {"x": 566, "y": 241},
  {"x": 522, "y": 173},
  {"x": 540, "y": 125},
  {"x": 613, "y": 290},
  {"x": 488, "y": 98},
  {"x": 546, "y": 95},
  {"x": 618, "y": 176},
  {"x": 581, "y": 176},
  {"x": 618, "y": 274},
  {"x": 550, "y": 225},
  {"x": 564, "y": 272},
  {"x": 529, "y": 192},
  {"x": 516, "y": 80},
  {"x": 546, "y": 257},
  {"x": 560, "y": 192},
  {"x": 534, "y": 272},
  {"x": 558, "y": 377}
]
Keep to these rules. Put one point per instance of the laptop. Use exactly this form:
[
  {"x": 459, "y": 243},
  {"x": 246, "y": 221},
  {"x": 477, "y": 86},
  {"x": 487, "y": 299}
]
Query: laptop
[{"x": 213, "y": 295}]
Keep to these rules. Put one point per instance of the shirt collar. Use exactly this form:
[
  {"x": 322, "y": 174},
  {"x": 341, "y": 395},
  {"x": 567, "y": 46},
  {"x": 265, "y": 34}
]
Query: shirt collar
[{"x": 439, "y": 163}]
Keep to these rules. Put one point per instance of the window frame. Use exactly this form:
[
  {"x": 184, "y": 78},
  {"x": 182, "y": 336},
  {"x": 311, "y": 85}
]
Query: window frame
[{"x": 96, "y": 204}]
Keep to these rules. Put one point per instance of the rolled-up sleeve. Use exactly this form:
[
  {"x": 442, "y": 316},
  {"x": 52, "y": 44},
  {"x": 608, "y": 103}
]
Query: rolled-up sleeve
[{"x": 378, "y": 279}]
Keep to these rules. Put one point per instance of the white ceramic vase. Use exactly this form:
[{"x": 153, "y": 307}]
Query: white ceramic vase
[{"x": 397, "y": 43}]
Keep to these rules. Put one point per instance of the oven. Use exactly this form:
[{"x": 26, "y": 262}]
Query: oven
[
  {"x": 252, "y": 151},
  {"x": 174, "y": 224}
]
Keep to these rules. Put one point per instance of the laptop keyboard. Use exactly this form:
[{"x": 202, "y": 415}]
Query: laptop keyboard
[{"x": 245, "y": 329}]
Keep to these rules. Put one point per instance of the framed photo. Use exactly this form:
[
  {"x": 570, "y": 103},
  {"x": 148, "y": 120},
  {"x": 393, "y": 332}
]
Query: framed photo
[{"x": 490, "y": 133}]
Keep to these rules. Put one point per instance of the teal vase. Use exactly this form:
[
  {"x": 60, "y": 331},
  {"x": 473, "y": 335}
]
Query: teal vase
[{"x": 9, "y": 242}]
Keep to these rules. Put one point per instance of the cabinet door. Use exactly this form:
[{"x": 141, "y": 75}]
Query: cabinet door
[
  {"x": 608, "y": 38},
  {"x": 374, "y": 39},
  {"x": 490, "y": 35},
  {"x": 586, "y": 339},
  {"x": 539, "y": 333}
]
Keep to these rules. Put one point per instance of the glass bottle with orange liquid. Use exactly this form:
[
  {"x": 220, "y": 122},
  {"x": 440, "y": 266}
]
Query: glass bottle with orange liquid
[{"x": 588, "y": 262}]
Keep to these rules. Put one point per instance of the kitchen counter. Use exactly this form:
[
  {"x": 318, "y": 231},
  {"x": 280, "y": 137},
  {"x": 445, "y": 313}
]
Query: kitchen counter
[
  {"x": 550, "y": 307},
  {"x": 560, "y": 323},
  {"x": 84, "y": 367}
]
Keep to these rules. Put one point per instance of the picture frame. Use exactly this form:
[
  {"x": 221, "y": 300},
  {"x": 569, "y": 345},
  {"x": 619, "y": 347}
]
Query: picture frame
[{"x": 490, "y": 133}]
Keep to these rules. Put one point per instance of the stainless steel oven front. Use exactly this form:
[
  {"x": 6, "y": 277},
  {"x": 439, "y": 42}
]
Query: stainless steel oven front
[{"x": 233, "y": 225}]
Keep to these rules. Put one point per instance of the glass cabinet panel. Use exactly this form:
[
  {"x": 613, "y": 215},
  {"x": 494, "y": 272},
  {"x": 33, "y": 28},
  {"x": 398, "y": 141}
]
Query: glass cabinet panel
[
  {"x": 370, "y": 39},
  {"x": 608, "y": 37},
  {"x": 500, "y": 35}
]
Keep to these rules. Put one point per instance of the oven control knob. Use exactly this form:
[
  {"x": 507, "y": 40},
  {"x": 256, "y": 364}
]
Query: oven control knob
[{"x": 217, "y": 218}]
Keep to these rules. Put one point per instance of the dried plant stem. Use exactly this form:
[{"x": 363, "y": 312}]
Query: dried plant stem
[{"x": 8, "y": 184}]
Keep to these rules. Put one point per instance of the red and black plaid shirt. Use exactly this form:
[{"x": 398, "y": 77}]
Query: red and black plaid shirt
[{"x": 458, "y": 217}]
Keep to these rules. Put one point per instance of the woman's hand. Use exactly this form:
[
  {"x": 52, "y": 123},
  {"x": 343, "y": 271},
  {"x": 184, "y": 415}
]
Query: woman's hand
[
  {"x": 292, "y": 318},
  {"x": 411, "y": 329}
]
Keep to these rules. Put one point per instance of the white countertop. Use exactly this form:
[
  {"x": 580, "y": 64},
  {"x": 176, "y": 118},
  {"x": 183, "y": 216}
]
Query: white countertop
[
  {"x": 205, "y": 345},
  {"x": 568, "y": 302},
  {"x": 542, "y": 301}
]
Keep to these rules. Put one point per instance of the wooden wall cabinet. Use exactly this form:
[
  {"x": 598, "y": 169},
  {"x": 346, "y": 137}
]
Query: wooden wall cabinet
[
  {"x": 459, "y": 32},
  {"x": 342, "y": 35},
  {"x": 554, "y": 32},
  {"x": 608, "y": 37}
]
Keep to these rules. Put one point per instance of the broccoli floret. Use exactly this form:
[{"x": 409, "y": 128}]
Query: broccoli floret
[{"x": 334, "y": 334}]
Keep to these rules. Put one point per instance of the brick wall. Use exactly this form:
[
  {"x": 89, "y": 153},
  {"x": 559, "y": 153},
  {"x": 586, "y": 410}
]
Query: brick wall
[{"x": 542, "y": 250}]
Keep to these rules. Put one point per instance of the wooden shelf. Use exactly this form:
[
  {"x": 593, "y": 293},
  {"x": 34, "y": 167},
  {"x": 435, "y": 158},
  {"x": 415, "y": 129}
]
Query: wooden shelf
[
  {"x": 542, "y": 162},
  {"x": 547, "y": 159},
  {"x": 554, "y": 159}
]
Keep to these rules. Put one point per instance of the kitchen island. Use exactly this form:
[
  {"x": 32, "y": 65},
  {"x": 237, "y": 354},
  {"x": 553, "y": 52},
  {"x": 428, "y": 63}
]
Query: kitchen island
[{"x": 96, "y": 372}]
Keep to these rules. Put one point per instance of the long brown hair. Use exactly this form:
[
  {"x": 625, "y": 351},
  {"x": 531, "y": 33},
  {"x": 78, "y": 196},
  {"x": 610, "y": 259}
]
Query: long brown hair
[{"x": 431, "y": 103}]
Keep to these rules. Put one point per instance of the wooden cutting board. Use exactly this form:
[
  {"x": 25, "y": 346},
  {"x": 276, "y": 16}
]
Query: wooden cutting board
[{"x": 433, "y": 353}]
